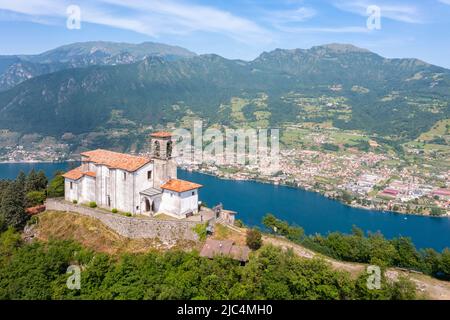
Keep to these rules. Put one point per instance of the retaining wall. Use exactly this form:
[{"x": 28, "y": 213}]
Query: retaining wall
[{"x": 168, "y": 231}]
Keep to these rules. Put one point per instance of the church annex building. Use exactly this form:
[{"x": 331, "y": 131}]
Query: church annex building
[{"x": 135, "y": 184}]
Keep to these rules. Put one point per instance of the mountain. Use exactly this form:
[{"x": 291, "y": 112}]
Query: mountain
[
  {"x": 18, "y": 68},
  {"x": 352, "y": 87}
]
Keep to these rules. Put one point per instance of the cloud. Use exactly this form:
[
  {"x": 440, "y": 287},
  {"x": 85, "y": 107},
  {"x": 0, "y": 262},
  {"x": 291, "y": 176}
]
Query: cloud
[
  {"x": 347, "y": 29},
  {"x": 150, "y": 17},
  {"x": 288, "y": 16},
  {"x": 290, "y": 21},
  {"x": 445, "y": 1},
  {"x": 398, "y": 12}
]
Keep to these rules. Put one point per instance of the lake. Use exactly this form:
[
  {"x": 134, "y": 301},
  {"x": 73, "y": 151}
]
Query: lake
[{"x": 315, "y": 213}]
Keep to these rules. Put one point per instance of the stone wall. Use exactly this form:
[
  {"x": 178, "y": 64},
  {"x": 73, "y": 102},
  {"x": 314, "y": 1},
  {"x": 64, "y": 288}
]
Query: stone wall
[{"x": 168, "y": 231}]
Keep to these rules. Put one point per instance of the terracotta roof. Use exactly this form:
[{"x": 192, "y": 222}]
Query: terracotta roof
[
  {"x": 178, "y": 185},
  {"x": 35, "y": 210},
  {"x": 441, "y": 192},
  {"x": 77, "y": 173},
  {"x": 116, "y": 160},
  {"x": 161, "y": 134},
  {"x": 90, "y": 174},
  {"x": 73, "y": 174},
  {"x": 213, "y": 248}
]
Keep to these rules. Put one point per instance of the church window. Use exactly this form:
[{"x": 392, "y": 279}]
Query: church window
[
  {"x": 124, "y": 176},
  {"x": 71, "y": 185},
  {"x": 149, "y": 175}
]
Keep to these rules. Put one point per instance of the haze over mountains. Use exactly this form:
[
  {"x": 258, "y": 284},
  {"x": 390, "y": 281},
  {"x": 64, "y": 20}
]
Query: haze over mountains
[{"x": 77, "y": 88}]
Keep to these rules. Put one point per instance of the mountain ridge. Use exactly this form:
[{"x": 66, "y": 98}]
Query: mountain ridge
[
  {"x": 406, "y": 94},
  {"x": 15, "y": 69}
]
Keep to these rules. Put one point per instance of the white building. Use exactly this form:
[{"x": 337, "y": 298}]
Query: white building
[{"x": 135, "y": 184}]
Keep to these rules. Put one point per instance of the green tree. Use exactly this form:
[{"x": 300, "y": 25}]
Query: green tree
[
  {"x": 436, "y": 211},
  {"x": 407, "y": 255},
  {"x": 254, "y": 239},
  {"x": 445, "y": 263},
  {"x": 12, "y": 206},
  {"x": 21, "y": 181},
  {"x": 35, "y": 181},
  {"x": 56, "y": 186},
  {"x": 34, "y": 198}
]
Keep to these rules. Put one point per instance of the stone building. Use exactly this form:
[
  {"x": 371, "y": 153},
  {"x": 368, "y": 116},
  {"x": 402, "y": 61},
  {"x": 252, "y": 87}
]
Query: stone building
[{"x": 135, "y": 184}]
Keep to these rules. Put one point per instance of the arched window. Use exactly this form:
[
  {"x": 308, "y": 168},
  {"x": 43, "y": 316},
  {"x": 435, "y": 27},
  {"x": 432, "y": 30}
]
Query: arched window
[
  {"x": 156, "y": 148},
  {"x": 169, "y": 149}
]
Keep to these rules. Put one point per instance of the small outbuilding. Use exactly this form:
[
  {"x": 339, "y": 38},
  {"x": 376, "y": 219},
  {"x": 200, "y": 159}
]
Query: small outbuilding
[{"x": 213, "y": 248}]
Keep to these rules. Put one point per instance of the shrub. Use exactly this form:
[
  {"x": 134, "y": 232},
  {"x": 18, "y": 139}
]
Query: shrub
[
  {"x": 33, "y": 220},
  {"x": 238, "y": 223},
  {"x": 34, "y": 198},
  {"x": 281, "y": 227},
  {"x": 128, "y": 214},
  {"x": 114, "y": 210},
  {"x": 93, "y": 204},
  {"x": 74, "y": 201},
  {"x": 200, "y": 230},
  {"x": 254, "y": 239},
  {"x": 56, "y": 186}
]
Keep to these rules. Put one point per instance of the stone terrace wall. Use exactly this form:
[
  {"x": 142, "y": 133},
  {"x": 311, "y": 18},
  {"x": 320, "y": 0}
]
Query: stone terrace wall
[{"x": 168, "y": 231}]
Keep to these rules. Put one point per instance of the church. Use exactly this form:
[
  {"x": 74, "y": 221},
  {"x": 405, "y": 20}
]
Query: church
[{"x": 134, "y": 184}]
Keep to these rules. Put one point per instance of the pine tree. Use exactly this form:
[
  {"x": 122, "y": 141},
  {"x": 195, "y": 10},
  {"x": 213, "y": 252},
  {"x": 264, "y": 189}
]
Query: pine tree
[
  {"x": 12, "y": 206},
  {"x": 31, "y": 180},
  {"x": 42, "y": 180},
  {"x": 21, "y": 181}
]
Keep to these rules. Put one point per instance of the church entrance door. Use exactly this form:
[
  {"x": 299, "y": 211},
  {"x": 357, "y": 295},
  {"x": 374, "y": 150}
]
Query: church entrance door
[{"x": 148, "y": 207}]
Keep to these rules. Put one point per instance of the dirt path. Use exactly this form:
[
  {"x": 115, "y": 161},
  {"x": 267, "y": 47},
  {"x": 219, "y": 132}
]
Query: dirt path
[{"x": 432, "y": 288}]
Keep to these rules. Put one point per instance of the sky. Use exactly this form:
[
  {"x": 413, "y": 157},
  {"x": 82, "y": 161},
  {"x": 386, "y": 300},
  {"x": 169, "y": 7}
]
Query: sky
[{"x": 236, "y": 29}]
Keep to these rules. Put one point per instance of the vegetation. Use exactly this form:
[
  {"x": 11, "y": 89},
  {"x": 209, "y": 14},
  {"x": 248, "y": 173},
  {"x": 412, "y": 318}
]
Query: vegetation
[
  {"x": 352, "y": 88},
  {"x": 283, "y": 228},
  {"x": 92, "y": 204},
  {"x": 38, "y": 271},
  {"x": 254, "y": 239},
  {"x": 201, "y": 230},
  {"x": 239, "y": 223},
  {"x": 15, "y": 196},
  {"x": 19, "y": 194},
  {"x": 373, "y": 249},
  {"x": 34, "y": 198},
  {"x": 56, "y": 186}
]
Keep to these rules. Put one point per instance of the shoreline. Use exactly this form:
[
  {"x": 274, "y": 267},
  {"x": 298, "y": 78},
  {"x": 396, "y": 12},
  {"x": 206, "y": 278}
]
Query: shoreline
[
  {"x": 36, "y": 161},
  {"x": 320, "y": 194},
  {"x": 265, "y": 181}
]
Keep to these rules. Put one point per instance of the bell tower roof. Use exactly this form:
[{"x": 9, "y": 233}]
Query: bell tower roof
[
  {"x": 161, "y": 134},
  {"x": 161, "y": 145}
]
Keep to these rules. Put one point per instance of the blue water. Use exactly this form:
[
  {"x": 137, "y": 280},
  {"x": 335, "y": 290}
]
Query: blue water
[
  {"x": 11, "y": 170},
  {"x": 315, "y": 213}
]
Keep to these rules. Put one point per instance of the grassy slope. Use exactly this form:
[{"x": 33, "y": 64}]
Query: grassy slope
[{"x": 94, "y": 235}]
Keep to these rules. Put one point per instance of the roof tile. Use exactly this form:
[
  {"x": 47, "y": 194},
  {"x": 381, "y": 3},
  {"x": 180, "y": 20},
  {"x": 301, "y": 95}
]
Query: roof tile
[
  {"x": 178, "y": 185},
  {"x": 116, "y": 160}
]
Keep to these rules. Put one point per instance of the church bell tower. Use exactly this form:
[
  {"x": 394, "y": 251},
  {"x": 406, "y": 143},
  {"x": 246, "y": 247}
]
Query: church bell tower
[{"x": 164, "y": 165}]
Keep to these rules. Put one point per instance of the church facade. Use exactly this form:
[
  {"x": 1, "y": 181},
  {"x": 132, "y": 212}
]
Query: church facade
[{"x": 134, "y": 184}]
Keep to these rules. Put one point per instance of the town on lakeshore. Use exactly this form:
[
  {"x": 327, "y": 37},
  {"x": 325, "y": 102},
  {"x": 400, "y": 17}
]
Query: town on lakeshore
[{"x": 341, "y": 164}]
